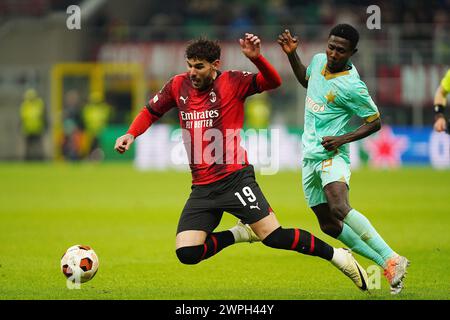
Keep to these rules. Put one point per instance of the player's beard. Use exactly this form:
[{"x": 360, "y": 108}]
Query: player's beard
[{"x": 201, "y": 84}]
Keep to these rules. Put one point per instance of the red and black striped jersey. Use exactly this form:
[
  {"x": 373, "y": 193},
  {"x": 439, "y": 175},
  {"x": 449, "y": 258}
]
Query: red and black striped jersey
[{"x": 211, "y": 119}]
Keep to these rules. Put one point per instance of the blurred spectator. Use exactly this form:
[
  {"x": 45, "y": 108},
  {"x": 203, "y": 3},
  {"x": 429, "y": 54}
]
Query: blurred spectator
[
  {"x": 72, "y": 124},
  {"x": 96, "y": 115},
  {"x": 440, "y": 102},
  {"x": 32, "y": 113},
  {"x": 257, "y": 112},
  {"x": 118, "y": 30}
]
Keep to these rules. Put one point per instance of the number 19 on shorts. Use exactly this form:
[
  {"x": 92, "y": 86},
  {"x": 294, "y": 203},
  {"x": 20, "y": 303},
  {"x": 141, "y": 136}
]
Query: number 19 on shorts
[{"x": 248, "y": 193}]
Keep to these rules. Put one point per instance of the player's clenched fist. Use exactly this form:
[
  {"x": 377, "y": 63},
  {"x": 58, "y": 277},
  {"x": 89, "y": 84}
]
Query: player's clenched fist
[
  {"x": 123, "y": 143},
  {"x": 287, "y": 42},
  {"x": 332, "y": 143}
]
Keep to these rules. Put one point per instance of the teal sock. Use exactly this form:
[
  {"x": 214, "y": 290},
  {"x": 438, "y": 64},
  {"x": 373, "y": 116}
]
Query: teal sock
[
  {"x": 354, "y": 242},
  {"x": 364, "y": 229}
]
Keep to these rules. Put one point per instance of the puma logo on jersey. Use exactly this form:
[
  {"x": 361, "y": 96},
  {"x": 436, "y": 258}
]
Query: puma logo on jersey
[
  {"x": 184, "y": 99},
  {"x": 255, "y": 207}
]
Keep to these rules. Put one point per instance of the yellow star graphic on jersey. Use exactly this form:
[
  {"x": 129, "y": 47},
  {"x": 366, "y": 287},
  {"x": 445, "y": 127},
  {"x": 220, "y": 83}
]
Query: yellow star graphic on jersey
[{"x": 330, "y": 97}]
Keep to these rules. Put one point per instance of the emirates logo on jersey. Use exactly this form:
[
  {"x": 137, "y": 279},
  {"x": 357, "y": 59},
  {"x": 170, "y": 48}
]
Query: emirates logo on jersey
[
  {"x": 199, "y": 115},
  {"x": 199, "y": 119}
]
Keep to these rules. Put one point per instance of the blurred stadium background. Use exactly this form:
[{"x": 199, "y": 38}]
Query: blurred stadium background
[
  {"x": 92, "y": 81},
  {"x": 123, "y": 54}
]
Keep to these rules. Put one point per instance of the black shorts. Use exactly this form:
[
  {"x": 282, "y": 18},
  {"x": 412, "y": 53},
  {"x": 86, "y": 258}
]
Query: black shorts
[{"x": 238, "y": 194}]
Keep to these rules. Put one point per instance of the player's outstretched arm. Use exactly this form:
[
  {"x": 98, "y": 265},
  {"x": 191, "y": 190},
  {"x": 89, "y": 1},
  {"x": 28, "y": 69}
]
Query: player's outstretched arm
[
  {"x": 139, "y": 125},
  {"x": 267, "y": 78},
  {"x": 440, "y": 101},
  {"x": 289, "y": 45},
  {"x": 124, "y": 142},
  {"x": 332, "y": 143}
]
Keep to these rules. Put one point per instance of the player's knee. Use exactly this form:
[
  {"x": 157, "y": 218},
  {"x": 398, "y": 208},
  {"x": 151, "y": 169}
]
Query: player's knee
[
  {"x": 331, "y": 229},
  {"x": 190, "y": 255},
  {"x": 275, "y": 239},
  {"x": 339, "y": 211}
]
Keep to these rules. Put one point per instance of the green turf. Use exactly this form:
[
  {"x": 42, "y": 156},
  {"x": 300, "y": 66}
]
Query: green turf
[{"x": 130, "y": 217}]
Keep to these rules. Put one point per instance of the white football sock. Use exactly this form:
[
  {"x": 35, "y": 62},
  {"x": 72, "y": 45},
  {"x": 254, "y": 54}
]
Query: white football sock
[
  {"x": 240, "y": 234},
  {"x": 339, "y": 257}
]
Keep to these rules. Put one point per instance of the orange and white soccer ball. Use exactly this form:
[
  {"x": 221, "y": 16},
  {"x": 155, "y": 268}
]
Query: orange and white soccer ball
[{"x": 79, "y": 263}]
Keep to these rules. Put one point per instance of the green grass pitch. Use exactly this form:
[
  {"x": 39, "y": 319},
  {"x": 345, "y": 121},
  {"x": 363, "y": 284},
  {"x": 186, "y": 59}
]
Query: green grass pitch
[{"x": 130, "y": 218}]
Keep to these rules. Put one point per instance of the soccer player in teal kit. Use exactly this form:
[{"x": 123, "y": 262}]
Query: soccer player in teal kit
[{"x": 334, "y": 94}]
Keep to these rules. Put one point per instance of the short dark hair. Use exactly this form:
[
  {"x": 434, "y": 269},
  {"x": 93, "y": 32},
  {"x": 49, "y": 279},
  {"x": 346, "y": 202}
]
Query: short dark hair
[
  {"x": 203, "y": 49},
  {"x": 346, "y": 31}
]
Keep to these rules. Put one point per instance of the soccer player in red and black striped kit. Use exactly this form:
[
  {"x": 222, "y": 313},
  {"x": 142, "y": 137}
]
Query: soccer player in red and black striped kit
[{"x": 210, "y": 105}]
